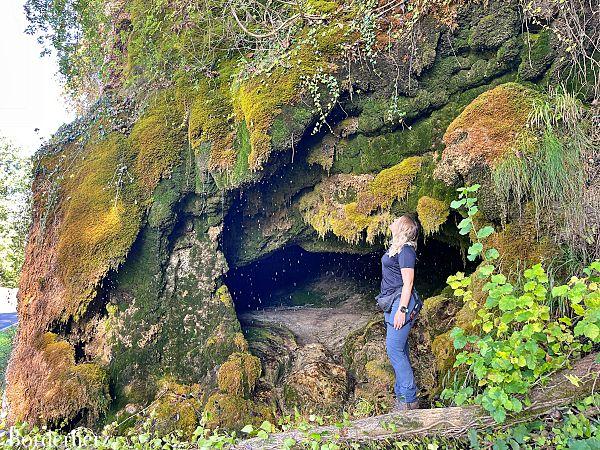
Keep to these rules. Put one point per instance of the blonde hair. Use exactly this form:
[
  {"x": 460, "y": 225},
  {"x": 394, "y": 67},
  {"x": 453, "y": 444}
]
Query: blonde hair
[{"x": 405, "y": 230}]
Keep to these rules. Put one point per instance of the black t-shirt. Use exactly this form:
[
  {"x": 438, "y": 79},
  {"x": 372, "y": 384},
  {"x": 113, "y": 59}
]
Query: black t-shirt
[{"x": 391, "y": 276}]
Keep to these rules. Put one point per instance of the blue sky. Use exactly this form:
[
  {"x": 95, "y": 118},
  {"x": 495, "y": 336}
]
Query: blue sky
[{"x": 30, "y": 91}]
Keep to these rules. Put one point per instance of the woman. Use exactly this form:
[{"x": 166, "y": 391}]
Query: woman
[{"x": 398, "y": 272}]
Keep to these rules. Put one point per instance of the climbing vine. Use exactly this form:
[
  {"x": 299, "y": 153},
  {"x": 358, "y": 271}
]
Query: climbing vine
[{"x": 518, "y": 342}]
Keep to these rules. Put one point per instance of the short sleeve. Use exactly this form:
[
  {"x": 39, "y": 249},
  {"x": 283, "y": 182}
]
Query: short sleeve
[{"x": 407, "y": 257}]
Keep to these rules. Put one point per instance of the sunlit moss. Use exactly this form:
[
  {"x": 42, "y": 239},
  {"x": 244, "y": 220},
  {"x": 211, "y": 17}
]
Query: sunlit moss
[
  {"x": 491, "y": 127},
  {"x": 432, "y": 214},
  {"x": 390, "y": 185},
  {"x": 100, "y": 219},
  {"x": 158, "y": 139},
  {"x": 259, "y": 99},
  {"x": 352, "y": 205}
]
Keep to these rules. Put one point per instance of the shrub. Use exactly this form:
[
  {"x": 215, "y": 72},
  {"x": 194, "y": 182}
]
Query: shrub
[{"x": 519, "y": 342}]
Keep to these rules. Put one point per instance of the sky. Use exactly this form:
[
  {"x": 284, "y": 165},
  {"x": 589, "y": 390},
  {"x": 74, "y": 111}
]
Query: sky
[{"x": 30, "y": 91}]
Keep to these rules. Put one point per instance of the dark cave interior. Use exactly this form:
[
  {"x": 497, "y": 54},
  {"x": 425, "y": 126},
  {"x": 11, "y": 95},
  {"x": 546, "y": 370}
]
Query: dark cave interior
[{"x": 284, "y": 277}]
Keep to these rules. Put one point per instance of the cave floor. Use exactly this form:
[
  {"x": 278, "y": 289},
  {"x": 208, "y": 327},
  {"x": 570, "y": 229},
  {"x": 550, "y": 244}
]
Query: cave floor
[{"x": 328, "y": 324}]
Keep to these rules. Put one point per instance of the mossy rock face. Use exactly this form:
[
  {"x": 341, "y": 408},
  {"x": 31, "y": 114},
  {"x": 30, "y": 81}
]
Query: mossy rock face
[
  {"x": 229, "y": 412},
  {"x": 184, "y": 324},
  {"x": 369, "y": 367},
  {"x": 315, "y": 382},
  {"x": 176, "y": 409},
  {"x": 494, "y": 29},
  {"x": 239, "y": 374},
  {"x": 490, "y": 129},
  {"x": 64, "y": 386},
  {"x": 141, "y": 207},
  {"x": 537, "y": 55}
]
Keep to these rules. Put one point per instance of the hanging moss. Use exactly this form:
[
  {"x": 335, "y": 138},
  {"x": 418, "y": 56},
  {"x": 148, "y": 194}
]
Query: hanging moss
[
  {"x": 258, "y": 100},
  {"x": 100, "y": 219},
  {"x": 61, "y": 389},
  {"x": 350, "y": 205},
  {"x": 432, "y": 214},
  {"x": 390, "y": 185}
]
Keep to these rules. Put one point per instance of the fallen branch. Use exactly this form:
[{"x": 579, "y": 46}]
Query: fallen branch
[{"x": 449, "y": 422}]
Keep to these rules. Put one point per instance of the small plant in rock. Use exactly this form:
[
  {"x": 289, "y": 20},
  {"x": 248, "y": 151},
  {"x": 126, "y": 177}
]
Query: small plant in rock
[{"x": 519, "y": 342}]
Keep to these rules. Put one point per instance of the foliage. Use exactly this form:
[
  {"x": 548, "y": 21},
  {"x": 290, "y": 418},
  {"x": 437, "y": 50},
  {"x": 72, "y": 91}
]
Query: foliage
[
  {"x": 549, "y": 168},
  {"x": 520, "y": 343},
  {"x": 15, "y": 211},
  {"x": 6, "y": 342},
  {"x": 574, "y": 430},
  {"x": 75, "y": 30},
  {"x": 577, "y": 30}
]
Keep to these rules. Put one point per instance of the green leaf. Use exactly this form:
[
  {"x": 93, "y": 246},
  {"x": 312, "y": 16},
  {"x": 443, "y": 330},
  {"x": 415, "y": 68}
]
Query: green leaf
[
  {"x": 248, "y": 429},
  {"x": 486, "y": 270},
  {"x": 474, "y": 251},
  {"x": 589, "y": 330},
  {"x": 560, "y": 291},
  {"x": 262, "y": 434},
  {"x": 289, "y": 443},
  {"x": 465, "y": 226},
  {"x": 498, "y": 278},
  {"x": 492, "y": 254},
  {"x": 456, "y": 204},
  {"x": 485, "y": 232},
  {"x": 459, "y": 338},
  {"x": 507, "y": 303}
]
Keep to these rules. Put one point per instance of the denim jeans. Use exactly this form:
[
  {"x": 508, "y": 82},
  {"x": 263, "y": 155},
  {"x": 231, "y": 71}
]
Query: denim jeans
[{"x": 396, "y": 343}]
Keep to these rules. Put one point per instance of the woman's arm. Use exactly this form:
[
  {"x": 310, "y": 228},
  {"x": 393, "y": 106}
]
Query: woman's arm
[{"x": 408, "y": 277}]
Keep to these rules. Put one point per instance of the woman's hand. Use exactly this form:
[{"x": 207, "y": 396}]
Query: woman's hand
[{"x": 399, "y": 319}]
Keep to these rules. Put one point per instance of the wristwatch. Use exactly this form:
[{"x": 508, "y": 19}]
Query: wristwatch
[{"x": 403, "y": 309}]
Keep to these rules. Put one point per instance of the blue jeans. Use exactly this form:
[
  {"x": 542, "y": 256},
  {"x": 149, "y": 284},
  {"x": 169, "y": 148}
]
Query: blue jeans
[{"x": 396, "y": 343}]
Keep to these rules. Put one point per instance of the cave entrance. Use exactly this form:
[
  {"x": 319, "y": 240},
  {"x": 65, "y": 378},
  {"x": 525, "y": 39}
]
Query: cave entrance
[{"x": 323, "y": 297}]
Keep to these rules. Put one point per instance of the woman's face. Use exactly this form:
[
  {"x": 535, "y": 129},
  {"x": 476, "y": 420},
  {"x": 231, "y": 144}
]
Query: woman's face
[{"x": 394, "y": 226}]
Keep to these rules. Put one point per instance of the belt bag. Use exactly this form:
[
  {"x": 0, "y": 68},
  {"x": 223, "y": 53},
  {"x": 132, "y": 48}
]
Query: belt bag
[{"x": 385, "y": 302}]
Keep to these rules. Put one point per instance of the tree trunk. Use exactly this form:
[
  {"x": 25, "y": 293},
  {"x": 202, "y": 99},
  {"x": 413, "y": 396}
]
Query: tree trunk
[{"x": 451, "y": 422}]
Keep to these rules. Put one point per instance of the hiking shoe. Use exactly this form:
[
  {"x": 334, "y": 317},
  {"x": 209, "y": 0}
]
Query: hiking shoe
[
  {"x": 413, "y": 405},
  {"x": 403, "y": 406},
  {"x": 400, "y": 406}
]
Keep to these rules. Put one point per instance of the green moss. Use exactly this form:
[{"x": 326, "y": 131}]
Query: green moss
[
  {"x": 343, "y": 204},
  {"x": 364, "y": 154},
  {"x": 238, "y": 375},
  {"x": 432, "y": 214},
  {"x": 494, "y": 29},
  {"x": 389, "y": 185},
  {"x": 233, "y": 413},
  {"x": 536, "y": 55},
  {"x": 380, "y": 371},
  {"x": 99, "y": 220},
  {"x": 176, "y": 409},
  {"x": 158, "y": 139},
  {"x": 488, "y": 129},
  {"x": 259, "y": 99},
  {"x": 211, "y": 119},
  {"x": 322, "y": 6}
]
